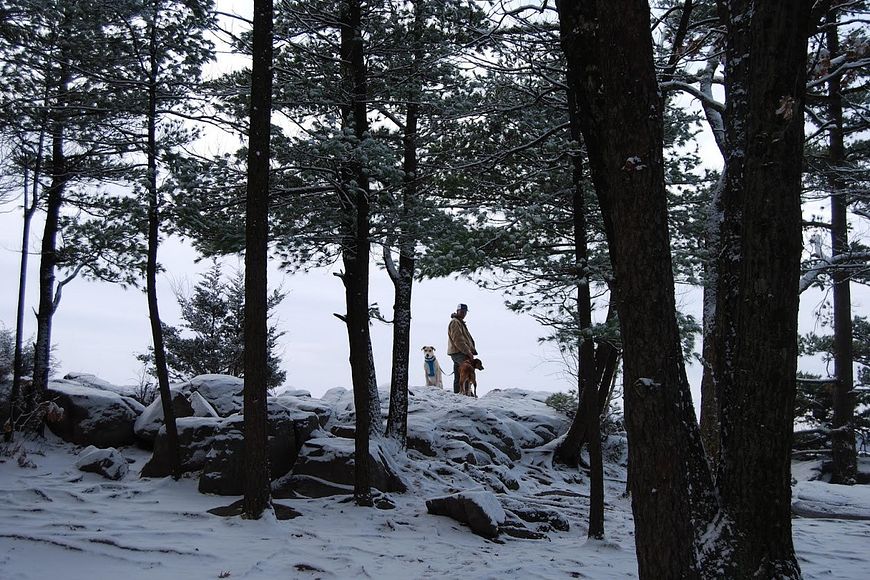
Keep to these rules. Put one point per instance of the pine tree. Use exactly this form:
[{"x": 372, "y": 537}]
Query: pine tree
[{"x": 211, "y": 338}]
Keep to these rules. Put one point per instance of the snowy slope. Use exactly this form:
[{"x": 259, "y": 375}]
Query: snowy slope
[{"x": 58, "y": 522}]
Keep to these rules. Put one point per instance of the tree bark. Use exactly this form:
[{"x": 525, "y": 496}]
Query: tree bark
[
  {"x": 843, "y": 453},
  {"x": 759, "y": 270},
  {"x": 256, "y": 351},
  {"x": 608, "y": 46},
  {"x": 354, "y": 195}
]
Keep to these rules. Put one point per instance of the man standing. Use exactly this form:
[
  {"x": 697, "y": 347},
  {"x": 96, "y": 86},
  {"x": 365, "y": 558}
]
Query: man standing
[{"x": 460, "y": 345}]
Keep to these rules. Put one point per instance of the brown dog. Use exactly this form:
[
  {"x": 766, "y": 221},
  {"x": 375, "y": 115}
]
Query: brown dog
[{"x": 467, "y": 378}]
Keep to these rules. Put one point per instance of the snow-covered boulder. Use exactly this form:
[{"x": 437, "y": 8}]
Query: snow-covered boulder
[
  {"x": 223, "y": 472},
  {"x": 480, "y": 510},
  {"x": 303, "y": 404},
  {"x": 151, "y": 419},
  {"x": 106, "y": 462},
  {"x": 93, "y": 416},
  {"x": 492, "y": 430},
  {"x": 224, "y": 392},
  {"x": 215, "y": 446},
  {"x": 818, "y": 499},
  {"x": 326, "y": 467},
  {"x": 209, "y": 396},
  {"x": 195, "y": 438}
]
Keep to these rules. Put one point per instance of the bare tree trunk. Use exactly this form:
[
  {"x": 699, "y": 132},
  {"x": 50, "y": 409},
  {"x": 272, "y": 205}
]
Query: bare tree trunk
[
  {"x": 608, "y": 46},
  {"x": 354, "y": 195},
  {"x": 843, "y": 453},
  {"x": 256, "y": 352},
  {"x": 151, "y": 265},
  {"x": 759, "y": 270}
]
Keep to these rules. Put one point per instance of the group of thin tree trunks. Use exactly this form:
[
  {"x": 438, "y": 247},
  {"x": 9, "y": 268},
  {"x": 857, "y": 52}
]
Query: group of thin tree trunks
[{"x": 731, "y": 473}]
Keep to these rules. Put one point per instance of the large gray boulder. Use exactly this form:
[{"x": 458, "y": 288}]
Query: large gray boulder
[
  {"x": 93, "y": 416},
  {"x": 209, "y": 396},
  {"x": 195, "y": 437},
  {"x": 223, "y": 472},
  {"x": 224, "y": 393},
  {"x": 214, "y": 445}
]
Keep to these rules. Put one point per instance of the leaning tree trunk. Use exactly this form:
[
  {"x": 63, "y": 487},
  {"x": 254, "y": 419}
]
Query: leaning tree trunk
[
  {"x": 60, "y": 176},
  {"x": 608, "y": 46},
  {"x": 151, "y": 263},
  {"x": 586, "y": 424},
  {"x": 759, "y": 270},
  {"x": 354, "y": 195},
  {"x": 256, "y": 353},
  {"x": 843, "y": 453},
  {"x": 709, "y": 419},
  {"x": 18, "y": 355},
  {"x": 569, "y": 450}
]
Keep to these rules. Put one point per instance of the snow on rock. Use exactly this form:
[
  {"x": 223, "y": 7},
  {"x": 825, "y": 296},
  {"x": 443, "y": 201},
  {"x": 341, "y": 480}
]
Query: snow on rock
[
  {"x": 91, "y": 380},
  {"x": 326, "y": 467},
  {"x": 93, "y": 416},
  {"x": 201, "y": 396},
  {"x": 304, "y": 404},
  {"x": 214, "y": 445},
  {"x": 201, "y": 407},
  {"x": 107, "y": 462},
  {"x": 817, "y": 499},
  {"x": 224, "y": 392},
  {"x": 151, "y": 420},
  {"x": 491, "y": 430},
  {"x": 480, "y": 510}
]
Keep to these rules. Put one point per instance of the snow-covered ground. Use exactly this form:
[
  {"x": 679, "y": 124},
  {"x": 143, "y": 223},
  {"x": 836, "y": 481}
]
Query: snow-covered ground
[{"x": 59, "y": 522}]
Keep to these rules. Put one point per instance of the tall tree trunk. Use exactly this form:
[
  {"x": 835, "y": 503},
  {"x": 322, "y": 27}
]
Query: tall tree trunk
[
  {"x": 608, "y": 46},
  {"x": 759, "y": 270},
  {"x": 256, "y": 352},
  {"x": 403, "y": 283},
  {"x": 60, "y": 177},
  {"x": 845, "y": 461},
  {"x": 151, "y": 264},
  {"x": 354, "y": 192}
]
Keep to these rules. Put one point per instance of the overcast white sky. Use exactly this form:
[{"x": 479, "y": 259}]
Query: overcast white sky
[{"x": 99, "y": 327}]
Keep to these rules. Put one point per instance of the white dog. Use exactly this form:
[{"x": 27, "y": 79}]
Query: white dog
[{"x": 431, "y": 368}]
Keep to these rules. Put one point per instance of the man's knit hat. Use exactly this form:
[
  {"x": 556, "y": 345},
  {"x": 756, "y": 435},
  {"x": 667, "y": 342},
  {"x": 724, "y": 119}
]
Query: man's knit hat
[{"x": 462, "y": 306}]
